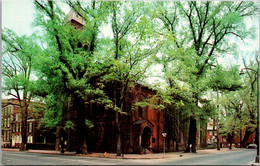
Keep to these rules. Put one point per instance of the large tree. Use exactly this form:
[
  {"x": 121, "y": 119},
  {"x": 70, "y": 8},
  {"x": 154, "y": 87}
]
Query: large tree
[
  {"x": 87, "y": 64},
  {"x": 205, "y": 27},
  {"x": 222, "y": 80},
  {"x": 250, "y": 75},
  {"x": 132, "y": 49},
  {"x": 68, "y": 65},
  {"x": 18, "y": 62},
  {"x": 238, "y": 108}
]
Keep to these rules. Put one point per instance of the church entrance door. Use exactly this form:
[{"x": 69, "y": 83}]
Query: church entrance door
[{"x": 146, "y": 137}]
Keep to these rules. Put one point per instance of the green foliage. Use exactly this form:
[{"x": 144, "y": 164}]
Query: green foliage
[
  {"x": 224, "y": 79},
  {"x": 238, "y": 111},
  {"x": 152, "y": 102},
  {"x": 18, "y": 54},
  {"x": 66, "y": 65},
  {"x": 89, "y": 124}
]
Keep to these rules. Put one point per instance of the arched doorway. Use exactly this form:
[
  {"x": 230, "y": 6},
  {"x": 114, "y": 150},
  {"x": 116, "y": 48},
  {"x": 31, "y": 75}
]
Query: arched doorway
[{"x": 145, "y": 143}]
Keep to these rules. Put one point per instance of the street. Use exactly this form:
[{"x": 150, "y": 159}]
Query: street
[{"x": 239, "y": 157}]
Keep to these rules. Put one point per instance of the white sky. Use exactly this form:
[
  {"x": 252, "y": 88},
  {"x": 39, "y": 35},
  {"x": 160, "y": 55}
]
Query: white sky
[{"x": 18, "y": 15}]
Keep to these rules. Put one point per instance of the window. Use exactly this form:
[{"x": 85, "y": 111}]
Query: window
[
  {"x": 30, "y": 139},
  {"x": 153, "y": 140},
  {"x": 4, "y": 136},
  {"x": 210, "y": 132},
  {"x": 13, "y": 127},
  {"x": 8, "y": 122},
  {"x": 17, "y": 127},
  {"x": 18, "y": 117},
  {"x": 5, "y": 122},
  {"x": 30, "y": 127},
  {"x": 140, "y": 111},
  {"x": 8, "y": 134}
]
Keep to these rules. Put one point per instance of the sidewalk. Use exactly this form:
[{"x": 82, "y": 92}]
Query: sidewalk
[{"x": 130, "y": 156}]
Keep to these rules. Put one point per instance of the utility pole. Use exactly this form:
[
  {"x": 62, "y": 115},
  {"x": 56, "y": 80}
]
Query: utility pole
[
  {"x": 217, "y": 128},
  {"x": 164, "y": 135},
  {"x": 258, "y": 109}
]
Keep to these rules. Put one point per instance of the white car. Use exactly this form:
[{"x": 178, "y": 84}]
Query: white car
[{"x": 251, "y": 146}]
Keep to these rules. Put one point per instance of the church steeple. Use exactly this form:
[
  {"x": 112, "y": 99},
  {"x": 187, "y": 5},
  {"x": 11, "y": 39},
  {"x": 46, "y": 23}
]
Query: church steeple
[{"x": 75, "y": 19}]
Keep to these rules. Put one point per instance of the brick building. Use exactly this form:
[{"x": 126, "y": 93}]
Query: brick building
[
  {"x": 141, "y": 128},
  {"x": 237, "y": 138},
  {"x": 6, "y": 125},
  {"x": 11, "y": 125},
  {"x": 211, "y": 136}
]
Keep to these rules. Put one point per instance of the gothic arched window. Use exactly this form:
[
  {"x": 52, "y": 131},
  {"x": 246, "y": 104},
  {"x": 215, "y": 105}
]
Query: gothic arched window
[{"x": 140, "y": 111}]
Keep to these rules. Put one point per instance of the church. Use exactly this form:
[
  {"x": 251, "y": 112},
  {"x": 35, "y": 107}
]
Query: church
[{"x": 141, "y": 129}]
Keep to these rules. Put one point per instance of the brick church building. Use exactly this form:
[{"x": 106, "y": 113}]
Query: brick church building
[{"x": 141, "y": 129}]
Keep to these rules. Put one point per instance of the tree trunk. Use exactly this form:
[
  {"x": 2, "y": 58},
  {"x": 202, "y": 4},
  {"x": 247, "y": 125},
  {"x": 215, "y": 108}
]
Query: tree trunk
[
  {"x": 62, "y": 140},
  {"x": 23, "y": 127},
  {"x": 240, "y": 138},
  {"x": 118, "y": 127},
  {"x": 80, "y": 126},
  {"x": 168, "y": 143},
  {"x": 192, "y": 136},
  {"x": 246, "y": 137},
  {"x": 57, "y": 142},
  {"x": 69, "y": 140},
  {"x": 177, "y": 146},
  {"x": 230, "y": 138},
  {"x": 118, "y": 136}
]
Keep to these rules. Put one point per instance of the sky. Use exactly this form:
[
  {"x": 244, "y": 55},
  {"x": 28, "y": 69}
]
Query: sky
[{"x": 18, "y": 15}]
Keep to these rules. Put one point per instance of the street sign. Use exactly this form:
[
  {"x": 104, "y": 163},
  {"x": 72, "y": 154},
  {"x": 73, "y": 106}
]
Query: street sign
[{"x": 164, "y": 134}]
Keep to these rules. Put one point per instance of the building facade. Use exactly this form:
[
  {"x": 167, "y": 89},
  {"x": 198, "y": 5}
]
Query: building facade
[
  {"x": 211, "y": 137},
  {"x": 12, "y": 125},
  {"x": 6, "y": 125},
  {"x": 141, "y": 128}
]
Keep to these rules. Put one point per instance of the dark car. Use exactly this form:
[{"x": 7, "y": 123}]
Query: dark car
[{"x": 251, "y": 146}]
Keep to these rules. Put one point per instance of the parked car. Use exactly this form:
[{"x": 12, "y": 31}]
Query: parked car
[{"x": 251, "y": 146}]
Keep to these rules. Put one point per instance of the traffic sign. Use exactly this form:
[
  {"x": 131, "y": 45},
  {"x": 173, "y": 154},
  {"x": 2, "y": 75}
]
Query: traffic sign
[{"x": 164, "y": 134}]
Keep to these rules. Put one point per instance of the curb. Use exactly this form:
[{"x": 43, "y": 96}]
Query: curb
[
  {"x": 254, "y": 164},
  {"x": 176, "y": 155},
  {"x": 99, "y": 156}
]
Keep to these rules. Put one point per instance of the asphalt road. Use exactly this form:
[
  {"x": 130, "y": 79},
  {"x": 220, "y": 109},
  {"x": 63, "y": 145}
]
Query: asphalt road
[{"x": 240, "y": 157}]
